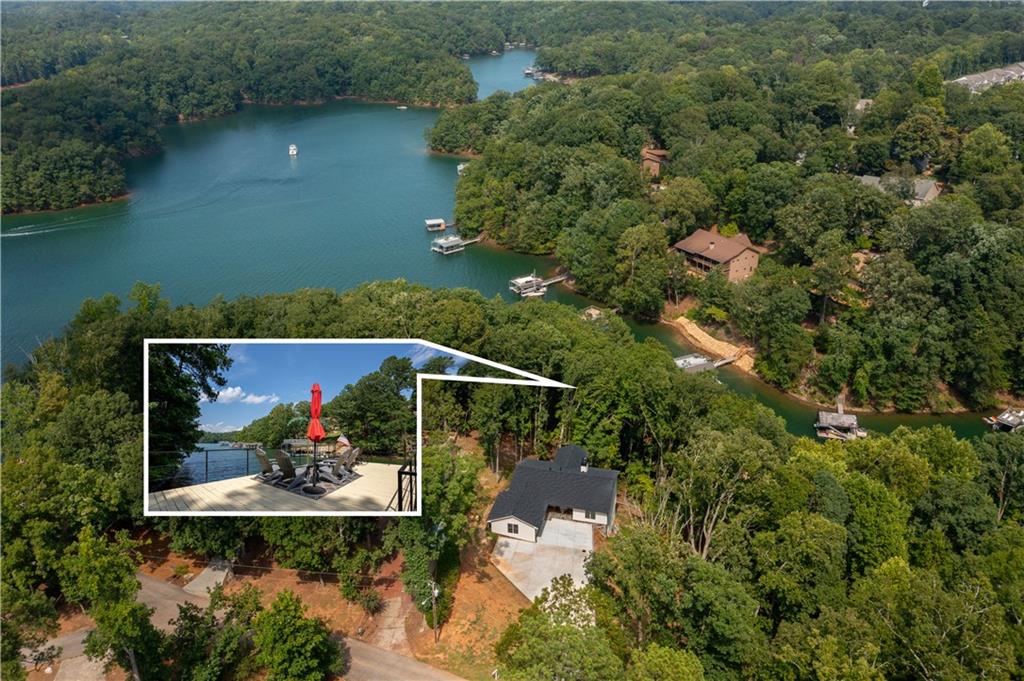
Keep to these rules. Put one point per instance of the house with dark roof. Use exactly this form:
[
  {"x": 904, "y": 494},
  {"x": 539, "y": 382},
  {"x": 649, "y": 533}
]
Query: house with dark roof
[
  {"x": 706, "y": 250},
  {"x": 567, "y": 487}
]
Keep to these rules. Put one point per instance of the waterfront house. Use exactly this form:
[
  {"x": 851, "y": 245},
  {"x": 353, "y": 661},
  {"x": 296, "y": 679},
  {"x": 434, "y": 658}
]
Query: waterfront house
[
  {"x": 568, "y": 487},
  {"x": 652, "y": 160},
  {"x": 706, "y": 250}
]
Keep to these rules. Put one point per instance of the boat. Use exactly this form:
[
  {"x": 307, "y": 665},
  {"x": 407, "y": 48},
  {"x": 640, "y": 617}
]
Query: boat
[
  {"x": 1010, "y": 421},
  {"x": 694, "y": 363},
  {"x": 293, "y": 150},
  {"x": 401, "y": 107},
  {"x": 436, "y": 224},
  {"x": 461, "y": 167},
  {"x": 535, "y": 293},
  {"x": 495, "y": 53}
]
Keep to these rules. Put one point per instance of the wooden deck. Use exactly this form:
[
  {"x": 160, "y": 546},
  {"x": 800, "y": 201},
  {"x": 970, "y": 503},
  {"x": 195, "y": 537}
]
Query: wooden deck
[{"x": 372, "y": 492}]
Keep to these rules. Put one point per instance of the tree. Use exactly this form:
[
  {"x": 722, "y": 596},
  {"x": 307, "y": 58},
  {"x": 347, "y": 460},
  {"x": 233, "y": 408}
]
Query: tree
[
  {"x": 1002, "y": 472},
  {"x": 684, "y": 204},
  {"x": 377, "y": 411},
  {"x": 801, "y": 565},
  {"x": 642, "y": 270},
  {"x": 179, "y": 376},
  {"x": 556, "y": 639},
  {"x": 707, "y": 478},
  {"x": 657, "y": 663},
  {"x": 831, "y": 268},
  {"x": 97, "y": 571},
  {"x": 642, "y": 570},
  {"x": 293, "y": 647},
  {"x": 877, "y": 524},
  {"x": 918, "y": 139},
  {"x": 928, "y": 631},
  {"x": 124, "y": 631},
  {"x": 985, "y": 150}
]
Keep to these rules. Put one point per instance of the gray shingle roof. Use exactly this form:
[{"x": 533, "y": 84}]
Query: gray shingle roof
[{"x": 536, "y": 485}]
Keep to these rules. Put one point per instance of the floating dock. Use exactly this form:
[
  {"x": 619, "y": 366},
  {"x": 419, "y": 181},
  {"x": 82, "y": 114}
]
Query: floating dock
[
  {"x": 1010, "y": 421},
  {"x": 436, "y": 224},
  {"x": 532, "y": 286},
  {"x": 446, "y": 245}
]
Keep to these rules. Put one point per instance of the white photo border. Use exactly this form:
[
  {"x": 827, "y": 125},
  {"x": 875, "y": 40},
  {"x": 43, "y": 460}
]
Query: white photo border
[{"x": 528, "y": 379}]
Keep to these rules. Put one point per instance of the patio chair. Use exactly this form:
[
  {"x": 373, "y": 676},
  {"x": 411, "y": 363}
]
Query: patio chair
[
  {"x": 289, "y": 479},
  {"x": 343, "y": 467},
  {"x": 267, "y": 471}
]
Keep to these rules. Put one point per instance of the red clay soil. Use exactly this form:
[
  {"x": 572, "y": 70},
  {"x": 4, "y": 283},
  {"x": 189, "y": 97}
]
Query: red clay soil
[{"x": 160, "y": 562}]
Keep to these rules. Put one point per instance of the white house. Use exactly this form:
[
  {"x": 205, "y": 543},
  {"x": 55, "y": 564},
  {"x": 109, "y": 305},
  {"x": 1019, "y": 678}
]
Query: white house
[{"x": 567, "y": 487}]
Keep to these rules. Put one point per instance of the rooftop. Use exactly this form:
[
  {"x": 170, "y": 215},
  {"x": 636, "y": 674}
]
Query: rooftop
[
  {"x": 714, "y": 246},
  {"x": 536, "y": 485}
]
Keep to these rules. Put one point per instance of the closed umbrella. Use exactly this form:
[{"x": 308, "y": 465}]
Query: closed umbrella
[{"x": 315, "y": 433}]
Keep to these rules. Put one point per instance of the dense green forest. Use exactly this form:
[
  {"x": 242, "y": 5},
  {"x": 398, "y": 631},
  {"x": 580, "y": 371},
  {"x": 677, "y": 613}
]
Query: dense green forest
[
  {"x": 86, "y": 85},
  {"x": 905, "y": 308},
  {"x": 747, "y": 553},
  {"x": 98, "y": 88}
]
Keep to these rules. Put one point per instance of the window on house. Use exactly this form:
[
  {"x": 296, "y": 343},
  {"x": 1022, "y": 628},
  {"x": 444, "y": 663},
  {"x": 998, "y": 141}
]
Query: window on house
[
  {"x": 513, "y": 528},
  {"x": 589, "y": 515}
]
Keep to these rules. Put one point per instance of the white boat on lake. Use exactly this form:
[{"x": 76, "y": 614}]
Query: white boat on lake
[
  {"x": 401, "y": 108},
  {"x": 293, "y": 150}
]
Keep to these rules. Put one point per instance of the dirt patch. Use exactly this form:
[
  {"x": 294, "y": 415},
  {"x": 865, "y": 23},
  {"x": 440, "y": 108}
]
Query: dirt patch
[
  {"x": 319, "y": 592},
  {"x": 164, "y": 564},
  {"x": 712, "y": 346}
]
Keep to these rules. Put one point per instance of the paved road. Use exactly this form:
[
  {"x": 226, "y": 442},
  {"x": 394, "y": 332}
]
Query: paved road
[{"x": 368, "y": 663}]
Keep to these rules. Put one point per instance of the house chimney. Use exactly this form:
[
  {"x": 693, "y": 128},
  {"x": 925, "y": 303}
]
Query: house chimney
[{"x": 584, "y": 465}]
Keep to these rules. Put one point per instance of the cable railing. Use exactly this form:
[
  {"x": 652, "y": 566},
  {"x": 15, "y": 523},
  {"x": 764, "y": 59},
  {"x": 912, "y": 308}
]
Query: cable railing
[
  {"x": 406, "y": 487},
  {"x": 210, "y": 465}
]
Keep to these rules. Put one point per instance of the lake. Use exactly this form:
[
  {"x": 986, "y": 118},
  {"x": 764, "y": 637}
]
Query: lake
[{"x": 225, "y": 210}]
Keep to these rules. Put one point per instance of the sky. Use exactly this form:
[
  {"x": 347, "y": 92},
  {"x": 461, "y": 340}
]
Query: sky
[{"x": 265, "y": 374}]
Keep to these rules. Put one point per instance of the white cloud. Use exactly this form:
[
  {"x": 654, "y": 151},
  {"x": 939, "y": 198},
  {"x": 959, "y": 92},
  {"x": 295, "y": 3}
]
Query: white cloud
[
  {"x": 260, "y": 399},
  {"x": 419, "y": 354},
  {"x": 219, "y": 427},
  {"x": 230, "y": 394}
]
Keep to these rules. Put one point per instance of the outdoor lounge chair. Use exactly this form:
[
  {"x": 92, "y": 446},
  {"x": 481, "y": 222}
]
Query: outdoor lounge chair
[
  {"x": 343, "y": 466},
  {"x": 267, "y": 471},
  {"x": 289, "y": 479}
]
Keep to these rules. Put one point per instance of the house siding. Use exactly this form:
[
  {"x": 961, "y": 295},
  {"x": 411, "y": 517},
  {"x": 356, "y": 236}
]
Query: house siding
[
  {"x": 742, "y": 266},
  {"x": 526, "y": 532},
  {"x": 579, "y": 515}
]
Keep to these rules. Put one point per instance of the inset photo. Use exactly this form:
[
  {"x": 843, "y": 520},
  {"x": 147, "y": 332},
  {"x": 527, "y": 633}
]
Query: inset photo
[{"x": 289, "y": 427}]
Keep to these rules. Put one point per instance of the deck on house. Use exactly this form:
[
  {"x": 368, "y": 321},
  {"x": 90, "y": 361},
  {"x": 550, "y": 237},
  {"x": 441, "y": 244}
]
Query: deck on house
[{"x": 374, "y": 490}]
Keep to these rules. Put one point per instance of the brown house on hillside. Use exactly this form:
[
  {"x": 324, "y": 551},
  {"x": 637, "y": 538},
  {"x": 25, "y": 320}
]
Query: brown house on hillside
[
  {"x": 706, "y": 250},
  {"x": 652, "y": 160}
]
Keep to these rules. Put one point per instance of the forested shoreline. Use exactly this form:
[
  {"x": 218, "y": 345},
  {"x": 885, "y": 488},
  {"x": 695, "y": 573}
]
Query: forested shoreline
[
  {"x": 862, "y": 292},
  {"x": 743, "y": 552},
  {"x": 99, "y": 90}
]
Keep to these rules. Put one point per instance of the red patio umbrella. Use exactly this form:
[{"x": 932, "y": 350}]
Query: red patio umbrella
[{"x": 315, "y": 432}]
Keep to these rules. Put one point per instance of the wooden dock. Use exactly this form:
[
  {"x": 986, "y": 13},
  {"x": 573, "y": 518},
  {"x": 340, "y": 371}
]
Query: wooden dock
[{"x": 374, "y": 490}]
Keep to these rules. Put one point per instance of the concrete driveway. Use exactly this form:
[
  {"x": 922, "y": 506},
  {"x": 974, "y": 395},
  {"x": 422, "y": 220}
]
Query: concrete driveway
[{"x": 561, "y": 549}]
